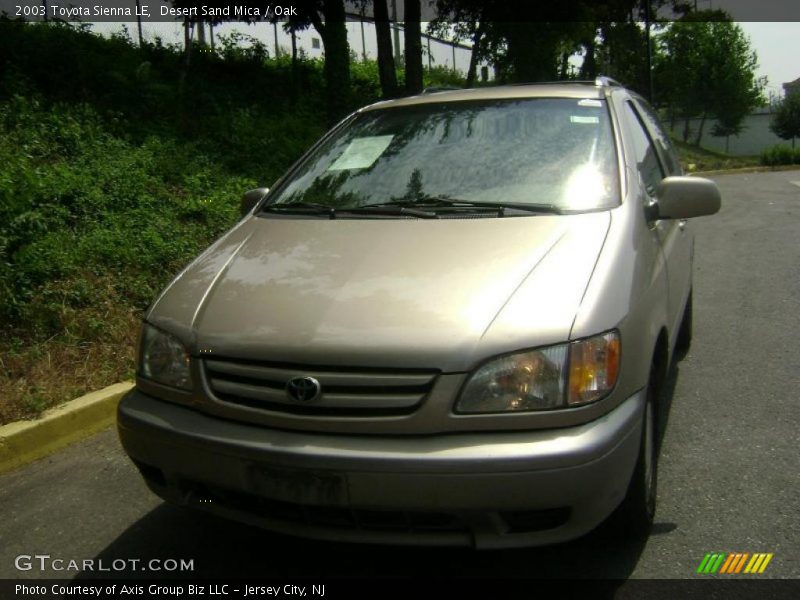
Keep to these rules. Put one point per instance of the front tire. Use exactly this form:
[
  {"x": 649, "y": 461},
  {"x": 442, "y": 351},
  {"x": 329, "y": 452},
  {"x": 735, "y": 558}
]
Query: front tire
[
  {"x": 637, "y": 511},
  {"x": 684, "y": 340}
]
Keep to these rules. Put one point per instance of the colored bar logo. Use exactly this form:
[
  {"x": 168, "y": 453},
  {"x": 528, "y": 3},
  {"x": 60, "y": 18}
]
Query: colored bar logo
[{"x": 734, "y": 563}]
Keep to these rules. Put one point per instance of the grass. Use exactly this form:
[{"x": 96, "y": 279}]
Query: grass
[
  {"x": 695, "y": 159},
  {"x": 92, "y": 226},
  {"x": 95, "y": 349}
]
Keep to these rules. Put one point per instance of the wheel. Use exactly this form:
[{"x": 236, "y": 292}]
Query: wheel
[
  {"x": 684, "y": 340},
  {"x": 635, "y": 514}
]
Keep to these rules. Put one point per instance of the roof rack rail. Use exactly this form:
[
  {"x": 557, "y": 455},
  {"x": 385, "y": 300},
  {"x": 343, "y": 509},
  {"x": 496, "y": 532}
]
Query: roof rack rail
[
  {"x": 558, "y": 82},
  {"x": 599, "y": 81},
  {"x": 440, "y": 88},
  {"x": 604, "y": 81}
]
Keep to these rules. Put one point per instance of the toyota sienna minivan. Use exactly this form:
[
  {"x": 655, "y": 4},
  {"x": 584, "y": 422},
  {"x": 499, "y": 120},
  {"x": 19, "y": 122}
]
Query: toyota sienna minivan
[{"x": 448, "y": 323}]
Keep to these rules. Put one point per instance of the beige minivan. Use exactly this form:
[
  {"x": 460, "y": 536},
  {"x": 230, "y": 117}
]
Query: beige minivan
[{"x": 448, "y": 323}]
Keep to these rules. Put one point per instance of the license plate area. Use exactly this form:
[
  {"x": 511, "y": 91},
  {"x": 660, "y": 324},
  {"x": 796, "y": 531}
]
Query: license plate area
[{"x": 299, "y": 486}]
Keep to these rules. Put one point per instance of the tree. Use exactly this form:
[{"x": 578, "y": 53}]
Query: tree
[
  {"x": 707, "y": 69},
  {"x": 413, "y": 39},
  {"x": 328, "y": 18},
  {"x": 539, "y": 50},
  {"x": 467, "y": 20},
  {"x": 383, "y": 35},
  {"x": 786, "y": 121}
]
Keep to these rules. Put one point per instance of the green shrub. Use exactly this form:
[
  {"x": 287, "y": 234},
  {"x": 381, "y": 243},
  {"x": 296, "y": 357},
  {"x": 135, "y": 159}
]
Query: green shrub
[
  {"x": 780, "y": 155},
  {"x": 442, "y": 77},
  {"x": 77, "y": 203}
]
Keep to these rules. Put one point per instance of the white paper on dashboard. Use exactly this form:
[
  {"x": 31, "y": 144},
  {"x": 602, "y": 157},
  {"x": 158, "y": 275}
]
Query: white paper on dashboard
[{"x": 362, "y": 153}]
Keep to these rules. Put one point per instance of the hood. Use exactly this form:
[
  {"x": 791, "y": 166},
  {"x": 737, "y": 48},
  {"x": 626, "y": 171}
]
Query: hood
[{"x": 398, "y": 293}]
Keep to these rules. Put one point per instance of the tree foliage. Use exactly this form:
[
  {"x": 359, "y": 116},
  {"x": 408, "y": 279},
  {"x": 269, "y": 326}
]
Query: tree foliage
[
  {"x": 609, "y": 35},
  {"x": 786, "y": 121},
  {"x": 707, "y": 69},
  {"x": 328, "y": 18}
]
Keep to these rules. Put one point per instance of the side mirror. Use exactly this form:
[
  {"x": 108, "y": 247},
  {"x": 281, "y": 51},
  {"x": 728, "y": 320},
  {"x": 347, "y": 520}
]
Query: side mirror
[
  {"x": 250, "y": 198},
  {"x": 686, "y": 197}
]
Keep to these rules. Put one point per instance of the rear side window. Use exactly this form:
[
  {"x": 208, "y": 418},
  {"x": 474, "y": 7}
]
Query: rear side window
[
  {"x": 645, "y": 153},
  {"x": 662, "y": 142}
]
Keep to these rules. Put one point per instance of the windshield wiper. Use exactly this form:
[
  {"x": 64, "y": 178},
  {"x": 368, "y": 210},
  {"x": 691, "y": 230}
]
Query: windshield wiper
[
  {"x": 390, "y": 209},
  {"x": 303, "y": 207},
  {"x": 533, "y": 208},
  {"x": 446, "y": 202},
  {"x": 370, "y": 209},
  {"x": 413, "y": 208}
]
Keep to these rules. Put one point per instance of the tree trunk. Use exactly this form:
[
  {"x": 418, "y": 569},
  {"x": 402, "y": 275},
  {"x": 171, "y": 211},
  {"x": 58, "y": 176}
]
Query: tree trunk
[
  {"x": 700, "y": 130},
  {"x": 413, "y": 39},
  {"x": 187, "y": 37},
  {"x": 383, "y": 35},
  {"x": 336, "y": 69},
  {"x": 563, "y": 71},
  {"x": 293, "y": 73},
  {"x": 477, "y": 40},
  {"x": 201, "y": 34},
  {"x": 139, "y": 23},
  {"x": 183, "y": 73},
  {"x": 589, "y": 66},
  {"x": 686, "y": 131},
  {"x": 532, "y": 50}
]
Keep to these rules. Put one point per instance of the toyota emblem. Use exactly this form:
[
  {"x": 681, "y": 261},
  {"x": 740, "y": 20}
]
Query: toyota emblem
[{"x": 303, "y": 389}]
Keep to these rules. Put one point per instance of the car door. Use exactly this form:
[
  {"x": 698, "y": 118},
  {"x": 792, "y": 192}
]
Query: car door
[{"x": 655, "y": 160}]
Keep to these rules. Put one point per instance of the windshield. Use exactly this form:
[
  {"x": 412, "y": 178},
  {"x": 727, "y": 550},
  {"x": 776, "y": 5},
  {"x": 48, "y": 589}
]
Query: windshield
[{"x": 557, "y": 152}]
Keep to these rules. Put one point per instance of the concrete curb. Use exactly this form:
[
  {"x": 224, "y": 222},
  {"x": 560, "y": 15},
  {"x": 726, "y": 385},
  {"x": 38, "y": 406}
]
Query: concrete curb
[
  {"x": 24, "y": 441},
  {"x": 755, "y": 169}
]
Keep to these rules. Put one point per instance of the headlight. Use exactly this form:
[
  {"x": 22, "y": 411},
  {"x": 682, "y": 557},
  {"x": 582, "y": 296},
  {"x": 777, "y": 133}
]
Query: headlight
[
  {"x": 554, "y": 377},
  {"x": 163, "y": 359}
]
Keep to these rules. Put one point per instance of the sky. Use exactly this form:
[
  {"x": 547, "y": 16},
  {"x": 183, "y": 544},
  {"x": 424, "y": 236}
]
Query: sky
[{"x": 776, "y": 45}]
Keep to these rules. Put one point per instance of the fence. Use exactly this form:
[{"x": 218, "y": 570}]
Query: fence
[
  {"x": 360, "y": 35},
  {"x": 755, "y": 135}
]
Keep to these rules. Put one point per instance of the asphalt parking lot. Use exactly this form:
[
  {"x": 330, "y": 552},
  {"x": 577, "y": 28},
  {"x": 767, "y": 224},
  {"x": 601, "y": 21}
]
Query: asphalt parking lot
[{"x": 729, "y": 456}]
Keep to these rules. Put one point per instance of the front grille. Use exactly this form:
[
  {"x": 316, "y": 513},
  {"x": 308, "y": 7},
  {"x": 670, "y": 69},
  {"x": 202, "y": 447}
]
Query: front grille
[{"x": 344, "y": 391}]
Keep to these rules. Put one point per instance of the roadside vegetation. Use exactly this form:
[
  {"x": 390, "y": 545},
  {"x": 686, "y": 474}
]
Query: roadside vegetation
[
  {"x": 117, "y": 166},
  {"x": 697, "y": 159},
  {"x": 780, "y": 155}
]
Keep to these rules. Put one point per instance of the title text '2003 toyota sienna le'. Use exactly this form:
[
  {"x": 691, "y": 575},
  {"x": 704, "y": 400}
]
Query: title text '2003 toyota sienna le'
[{"x": 446, "y": 324}]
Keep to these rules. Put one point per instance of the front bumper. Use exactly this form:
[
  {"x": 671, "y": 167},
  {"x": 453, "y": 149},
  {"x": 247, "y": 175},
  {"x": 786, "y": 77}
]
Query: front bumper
[{"x": 498, "y": 489}]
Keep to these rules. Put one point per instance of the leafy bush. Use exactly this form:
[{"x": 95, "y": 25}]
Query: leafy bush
[
  {"x": 780, "y": 155},
  {"x": 442, "y": 77},
  {"x": 77, "y": 203}
]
